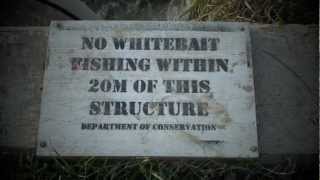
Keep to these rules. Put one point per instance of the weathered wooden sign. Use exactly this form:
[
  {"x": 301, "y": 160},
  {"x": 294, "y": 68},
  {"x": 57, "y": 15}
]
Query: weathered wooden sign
[{"x": 111, "y": 90}]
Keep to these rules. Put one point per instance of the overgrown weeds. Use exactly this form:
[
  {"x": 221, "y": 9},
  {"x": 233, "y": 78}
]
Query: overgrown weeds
[
  {"x": 31, "y": 167},
  {"x": 256, "y": 11}
]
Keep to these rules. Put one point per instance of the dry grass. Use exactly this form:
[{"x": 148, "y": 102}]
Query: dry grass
[
  {"x": 256, "y": 11},
  {"x": 261, "y": 11},
  {"x": 28, "y": 166}
]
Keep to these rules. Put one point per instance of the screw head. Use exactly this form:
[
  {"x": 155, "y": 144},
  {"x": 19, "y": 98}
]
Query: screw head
[
  {"x": 43, "y": 144},
  {"x": 254, "y": 149},
  {"x": 59, "y": 26}
]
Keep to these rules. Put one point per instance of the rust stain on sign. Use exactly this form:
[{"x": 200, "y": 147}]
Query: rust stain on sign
[
  {"x": 115, "y": 91},
  {"x": 222, "y": 117}
]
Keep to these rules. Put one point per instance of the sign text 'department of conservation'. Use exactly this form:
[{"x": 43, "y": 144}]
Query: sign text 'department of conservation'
[{"x": 113, "y": 90}]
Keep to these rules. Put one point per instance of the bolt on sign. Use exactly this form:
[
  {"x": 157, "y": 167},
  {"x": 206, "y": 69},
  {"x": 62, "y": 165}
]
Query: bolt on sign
[{"x": 163, "y": 89}]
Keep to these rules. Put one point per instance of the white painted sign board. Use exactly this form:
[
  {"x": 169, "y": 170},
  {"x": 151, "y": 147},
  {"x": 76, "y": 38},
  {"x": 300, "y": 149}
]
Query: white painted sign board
[{"x": 112, "y": 90}]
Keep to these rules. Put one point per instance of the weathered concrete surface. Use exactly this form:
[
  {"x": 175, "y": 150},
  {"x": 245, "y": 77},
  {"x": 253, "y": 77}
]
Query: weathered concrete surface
[
  {"x": 286, "y": 81},
  {"x": 29, "y": 13},
  {"x": 285, "y": 61},
  {"x": 23, "y": 54},
  {"x": 76, "y": 8}
]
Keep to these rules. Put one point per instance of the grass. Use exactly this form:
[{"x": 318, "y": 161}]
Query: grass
[
  {"x": 31, "y": 167},
  {"x": 28, "y": 166},
  {"x": 255, "y": 11}
]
